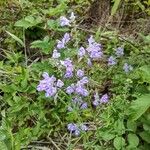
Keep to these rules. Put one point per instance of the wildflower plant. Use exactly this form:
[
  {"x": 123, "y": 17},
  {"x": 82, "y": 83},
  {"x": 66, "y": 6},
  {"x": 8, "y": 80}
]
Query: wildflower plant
[{"x": 75, "y": 81}]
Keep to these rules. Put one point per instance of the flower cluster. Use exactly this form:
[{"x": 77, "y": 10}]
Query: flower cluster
[
  {"x": 94, "y": 51},
  {"x": 76, "y": 129},
  {"x": 49, "y": 84},
  {"x": 67, "y": 22},
  {"x": 78, "y": 88},
  {"x": 97, "y": 100},
  {"x": 127, "y": 68}
]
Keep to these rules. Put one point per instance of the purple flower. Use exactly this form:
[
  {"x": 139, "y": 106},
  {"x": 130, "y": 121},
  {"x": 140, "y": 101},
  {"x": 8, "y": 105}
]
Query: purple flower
[
  {"x": 59, "y": 83},
  {"x": 89, "y": 62},
  {"x": 70, "y": 89},
  {"x": 72, "y": 127},
  {"x": 50, "y": 92},
  {"x": 81, "y": 51},
  {"x": 72, "y": 17},
  {"x": 68, "y": 74},
  {"x": 80, "y": 90},
  {"x": 77, "y": 101},
  {"x": 83, "y": 81},
  {"x": 83, "y": 127},
  {"x": 111, "y": 61},
  {"x": 77, "y": 132},
  {"x": 64, "y": 21},
  {"x": 127, "y": 68},
  {"x": 66, "y": 38},
  {"x": 80, "y": 73},
  {"x": 104, "y": 98},
  {"x": 60, "y": 44},
  {"x": 45, "y": 75},
  {"x": 91, "y": 40},
  {"x": 55, "y": 54},
  {"x": 96, "y": 54},
  {"x": 67, "y": 63},
  {"x": 84, "y": 106},
  {"x": 119, "y": 51},
  {"x": 95, "y": 102}
]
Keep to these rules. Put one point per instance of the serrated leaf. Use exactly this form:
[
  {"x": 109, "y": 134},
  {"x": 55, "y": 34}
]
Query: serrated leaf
[
  {"x": 16, "y": 38},
  {"x": 119, "y": 143},
  {"x": 133, "y": 140},
  {"x": 139, "y": 106}
]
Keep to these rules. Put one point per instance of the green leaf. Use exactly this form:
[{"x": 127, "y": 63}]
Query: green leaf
[
  {"x": 139, "y": 107},
  {"x": 131, "y": 125},
  {"x": 16, "y": 38},
  {"x": 45, "y": 45},
  {"x": 133, "y": 140},
  {"x": 145, "y": 136},
  {"x": 115, "y": 7},
  {"x": 144, "y": 71},
  {"x": 28, "y": 22},
  {"x": 119, "y": 143}
]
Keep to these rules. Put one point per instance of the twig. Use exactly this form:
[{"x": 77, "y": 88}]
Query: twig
[{"x": 53, "y": 143}]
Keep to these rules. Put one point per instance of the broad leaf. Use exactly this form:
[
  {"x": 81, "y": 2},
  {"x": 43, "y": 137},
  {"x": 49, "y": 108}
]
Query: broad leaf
[
  {"x": 119, "y": 143},
  {"x": 139, "y": 106}
]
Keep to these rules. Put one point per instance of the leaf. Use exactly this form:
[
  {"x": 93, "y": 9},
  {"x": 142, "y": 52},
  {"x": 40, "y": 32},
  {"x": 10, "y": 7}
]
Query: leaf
[
  {"x": 139, "y": 106},
  {"x": 144, "y": 71},
  {"x": 145, "y": 136},
  {"x": 119, "y": 143},
  {"x": 16, "y": 38},
  {"x": 28, "y": 22},
  {"x": 133, "y": 140},
  {"x": 115, "y": 7},
  {"x": 131, "y": 125}
]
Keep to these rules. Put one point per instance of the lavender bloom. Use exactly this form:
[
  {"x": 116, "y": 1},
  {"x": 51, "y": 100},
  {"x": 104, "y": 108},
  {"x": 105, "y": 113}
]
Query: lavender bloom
[
  {"x": 68, "y": 74},
  {"x": 81, "y": 91},
  {"x": 119, "y": 51},
  {"x": 72, "y": 127},
  {"x": 77, "y": 101},
  {"x": 81, "y": 51},
  {"x": 45, "y": 75},
  {"x": 70, "y": 89},
  {"x": 55, "y": 54},
  {"x": 77, "y": 132},
  {"x": 51, "y": 92},
  {"x": 67, "y": 63},
  {"x": 95, "y": 102},
  {"x": 83, "y": 127},
  {"x": 111, "y": 61},
  {"x": 60, "y": 44},
  {"x": 96, "y": 54},
  {"x": 127, "y": 68},
  {"x": 104, "y": 98},
  {"x": 64, "y": 21},
  {"x": 72, "y": 17},
  {"x": 89, "y": 63},
  {"x": 80, "y": 73},
  {"x": 66, "y": 38},
  {"x": 91, "y": 40},
  {"x": 59, "y": 83},
  {"x": 84, "y": 106},
  {"x": 83, "y": 81}
]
